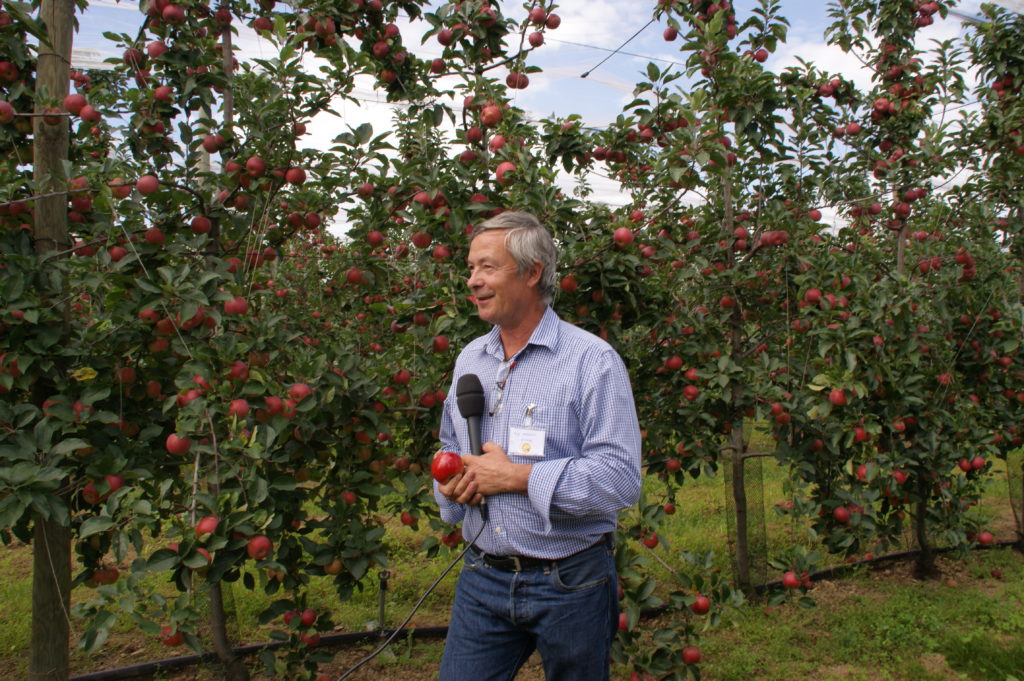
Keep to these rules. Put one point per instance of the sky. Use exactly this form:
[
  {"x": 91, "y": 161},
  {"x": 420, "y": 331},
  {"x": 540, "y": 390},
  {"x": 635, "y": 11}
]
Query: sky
[{"x": 589, "y": 32}]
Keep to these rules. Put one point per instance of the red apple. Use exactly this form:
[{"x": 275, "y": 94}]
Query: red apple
[
  {"x": 623, "y": 236},
  {"x": 178, "y": 445},
  {"x": 259, "y": 547},
  {"x": 155, "y": 236},
  {"x": 207, "y": 526},
  {"x": 147, "y": 184},
  {"x": 490, "y": 115},
  {"x": 239, "y": 408},
  {"x": 445, "y": 465},
  {"x": 73, "y": 103},
  {"x": 170, "y": 637},
  {"x": 504, "y": 172},
  {"x": 299, "y": 392},
  {"x": 255, "y": 166},
  {"x": 237, "y": 305},
  {"x": 201, "y": 224}
]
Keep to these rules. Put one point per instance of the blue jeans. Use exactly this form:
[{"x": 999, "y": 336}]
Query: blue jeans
[{"x": 568, "y": 610}]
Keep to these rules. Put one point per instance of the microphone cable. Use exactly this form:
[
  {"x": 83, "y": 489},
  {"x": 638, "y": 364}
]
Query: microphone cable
[{"x": 417, "y": 605}]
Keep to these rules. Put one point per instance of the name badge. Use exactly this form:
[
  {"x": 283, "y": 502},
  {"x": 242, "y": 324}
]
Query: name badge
[{"x": 525, "y": 442}]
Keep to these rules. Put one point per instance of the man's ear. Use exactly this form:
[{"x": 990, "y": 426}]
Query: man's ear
[{"x": 533, "y": 276}]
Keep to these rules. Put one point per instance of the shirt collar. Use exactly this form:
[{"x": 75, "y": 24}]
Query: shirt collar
[{"x": 545, "y": 335}]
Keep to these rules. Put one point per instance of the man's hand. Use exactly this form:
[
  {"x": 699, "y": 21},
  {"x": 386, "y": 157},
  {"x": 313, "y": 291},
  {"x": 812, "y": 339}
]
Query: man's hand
[
  {"x": 490, "y": 473},
  {"x": 494, "y": 473},
  {"x": 459, "y": 489}
]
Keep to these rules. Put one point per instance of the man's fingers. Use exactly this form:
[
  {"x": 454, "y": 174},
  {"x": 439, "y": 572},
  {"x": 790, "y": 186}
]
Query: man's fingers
[{"x": 467, "y": 494}]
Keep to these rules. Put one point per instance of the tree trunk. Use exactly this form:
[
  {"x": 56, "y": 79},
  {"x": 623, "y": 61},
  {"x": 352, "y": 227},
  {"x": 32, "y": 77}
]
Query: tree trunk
[
  {"x": 739, "y": 499},
  {"x": 924, "y": 565},
  {"x": 234, "y": 668},
  {"x": 51, "y": 601},
  {"x": 49, "y": 653}
]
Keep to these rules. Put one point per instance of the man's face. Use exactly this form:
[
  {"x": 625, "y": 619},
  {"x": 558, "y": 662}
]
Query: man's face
[{"x": 502, "y": 296}]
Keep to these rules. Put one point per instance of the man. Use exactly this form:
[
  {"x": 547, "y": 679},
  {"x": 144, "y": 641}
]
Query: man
[{"x": 561, "y": 458}]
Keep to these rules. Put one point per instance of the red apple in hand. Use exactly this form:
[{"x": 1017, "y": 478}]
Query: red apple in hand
[{"x": 445, "y": 465}]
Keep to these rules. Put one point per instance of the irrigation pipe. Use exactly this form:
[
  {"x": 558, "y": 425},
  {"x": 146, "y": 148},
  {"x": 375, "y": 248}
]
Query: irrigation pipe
[{"x": 152, "y": 668}]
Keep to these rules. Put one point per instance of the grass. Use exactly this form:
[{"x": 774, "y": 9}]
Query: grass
[
  {"x": 874, "y": 625},
  {"x": 885, "y": 625}
]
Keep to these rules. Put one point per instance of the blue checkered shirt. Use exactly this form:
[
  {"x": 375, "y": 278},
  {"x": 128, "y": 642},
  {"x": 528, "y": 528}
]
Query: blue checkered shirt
[{"x": 591, "y": 464}]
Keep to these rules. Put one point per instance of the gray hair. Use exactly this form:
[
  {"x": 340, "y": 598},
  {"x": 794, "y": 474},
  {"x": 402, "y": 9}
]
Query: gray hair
[{"x": 527, "y": 241}]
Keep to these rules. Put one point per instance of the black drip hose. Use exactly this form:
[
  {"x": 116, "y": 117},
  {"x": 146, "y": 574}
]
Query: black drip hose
[{"x": 152, "y": 668}]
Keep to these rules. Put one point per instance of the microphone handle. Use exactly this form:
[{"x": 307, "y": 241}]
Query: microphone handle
[
  {"x": 475, "y": 445},
  {"x": 477, "y": 448}
]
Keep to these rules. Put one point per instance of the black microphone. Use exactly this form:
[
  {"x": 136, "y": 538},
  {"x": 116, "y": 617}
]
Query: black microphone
[{"x": 469, "y": 394}]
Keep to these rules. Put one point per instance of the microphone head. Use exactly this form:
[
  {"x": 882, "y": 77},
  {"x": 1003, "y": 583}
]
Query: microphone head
[{"x": 469, "y": 394}]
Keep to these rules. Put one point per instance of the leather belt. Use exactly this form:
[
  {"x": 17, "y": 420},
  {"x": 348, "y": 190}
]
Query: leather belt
[{"x": 517, "y": 563}]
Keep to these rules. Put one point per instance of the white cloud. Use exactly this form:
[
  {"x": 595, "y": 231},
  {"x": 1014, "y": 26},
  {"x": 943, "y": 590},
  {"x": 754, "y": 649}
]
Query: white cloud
[
  {"x": 130, "y": 5},
  {"x": 606, "y": 23}
]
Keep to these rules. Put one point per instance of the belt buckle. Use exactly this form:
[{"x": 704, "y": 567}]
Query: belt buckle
[{"x": 517, "y": 566}]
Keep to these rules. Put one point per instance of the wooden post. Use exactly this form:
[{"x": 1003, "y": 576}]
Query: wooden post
[{"x": 49, "y": 655}]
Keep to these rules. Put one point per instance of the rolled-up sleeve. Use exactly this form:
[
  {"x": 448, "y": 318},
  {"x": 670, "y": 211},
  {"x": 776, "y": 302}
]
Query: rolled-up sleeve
[{"x": 605, "y": 476}]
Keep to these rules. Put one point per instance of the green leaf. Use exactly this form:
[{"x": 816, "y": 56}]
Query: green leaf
[
  {"x": 99, "y": 629},
  {"x": 95, "y": 525},
  {"x": 11, "y": 510},
  {"x": 364, "y": 133},
  {"x": 25, "y": 20},
  {"x": 162, "y": 560},
  {"x": 69, "y": 445},
  {"x": 284, "y": 482}
]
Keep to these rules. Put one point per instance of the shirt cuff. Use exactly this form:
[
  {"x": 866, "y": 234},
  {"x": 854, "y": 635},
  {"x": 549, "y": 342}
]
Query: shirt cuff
[
  {"x": 451, "y": 512},
  {"x": 541, "y": 486}
]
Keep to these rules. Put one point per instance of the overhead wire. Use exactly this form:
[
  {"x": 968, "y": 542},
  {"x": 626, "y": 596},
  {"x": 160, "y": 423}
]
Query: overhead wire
[{"x": 617, "y": 49}]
